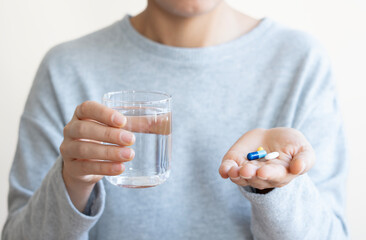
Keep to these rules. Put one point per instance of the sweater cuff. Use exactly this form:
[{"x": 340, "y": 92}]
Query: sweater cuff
[
  {"x": 67, "y": 209},
  {"x": 278, "y": 197}
]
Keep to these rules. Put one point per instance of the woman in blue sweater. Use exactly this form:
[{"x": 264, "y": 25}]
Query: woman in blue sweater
[{"x": 237, "y": 83}]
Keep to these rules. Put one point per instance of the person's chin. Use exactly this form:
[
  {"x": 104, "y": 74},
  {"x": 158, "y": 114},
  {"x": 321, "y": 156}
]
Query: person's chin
[{"x": 188, "y": 8}]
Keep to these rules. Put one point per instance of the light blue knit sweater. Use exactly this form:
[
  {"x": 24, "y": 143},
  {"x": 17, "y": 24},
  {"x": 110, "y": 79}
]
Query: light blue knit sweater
[{"x": 272, "y": 76}]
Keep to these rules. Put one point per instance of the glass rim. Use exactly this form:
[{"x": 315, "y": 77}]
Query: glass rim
[{"x": 167, "y": 98}]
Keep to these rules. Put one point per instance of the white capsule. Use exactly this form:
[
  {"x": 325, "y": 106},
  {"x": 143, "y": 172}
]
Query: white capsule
[{"x": 272, "y": 155}]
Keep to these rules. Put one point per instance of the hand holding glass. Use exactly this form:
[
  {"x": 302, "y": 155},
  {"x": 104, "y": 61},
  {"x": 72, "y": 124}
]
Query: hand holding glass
[{"x": 149, "y": 118}]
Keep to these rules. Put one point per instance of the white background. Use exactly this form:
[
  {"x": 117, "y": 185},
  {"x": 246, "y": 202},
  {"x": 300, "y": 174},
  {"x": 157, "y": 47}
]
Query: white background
[{"x": 28, "y": 28}]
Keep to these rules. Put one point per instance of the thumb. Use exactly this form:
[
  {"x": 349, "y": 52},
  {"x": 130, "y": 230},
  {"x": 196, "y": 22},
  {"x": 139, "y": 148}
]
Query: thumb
[{"x": 302, "y": 161}]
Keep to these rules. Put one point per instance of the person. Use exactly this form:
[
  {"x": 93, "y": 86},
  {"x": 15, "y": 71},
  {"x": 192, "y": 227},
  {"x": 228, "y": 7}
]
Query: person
[{"x": 237, "y": 83}]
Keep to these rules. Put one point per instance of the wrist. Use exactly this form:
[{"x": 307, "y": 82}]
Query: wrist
[{"x": 79, "y": 191}]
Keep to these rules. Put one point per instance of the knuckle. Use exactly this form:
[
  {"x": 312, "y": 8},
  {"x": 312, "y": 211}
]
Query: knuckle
[
  {"x": 91, "y": 168},
  {"x": 108, "y": 114},
  {"x": 108, "y": 134},
  {"x": 107, "y": 152},
  {"x": 81, "y": 149},
  {"x": 79, "y": 129},
  {"x": 98, "y": 168},
  {"x": 62, "y": 148},
  {"x": 66, "y": 130},
  {"x": 84, "y": 167},
  {"x": 112, "y": 153},
  {"x": 115, "y": 154},
  {"x": 83, "y": 108}
]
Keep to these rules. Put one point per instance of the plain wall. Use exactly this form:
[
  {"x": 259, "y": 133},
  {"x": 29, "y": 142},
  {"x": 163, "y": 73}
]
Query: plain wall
[{"x": 29, "y": 28}]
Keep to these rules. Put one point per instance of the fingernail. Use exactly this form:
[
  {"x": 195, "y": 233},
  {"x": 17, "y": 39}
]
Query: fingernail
[
  {"x": 303, "y": 168},
  {"x": 227, "y": 169},
  {"x": 127, "y": 153},
  {"x": 118, "y": 119},
  {"x": 235, "y": 179},
  {"x": 261, "y": 178},
  {"x": 245, "y": 177},
  {"x": 117, "y": 168},
  {"x": 128, "y": 138}
]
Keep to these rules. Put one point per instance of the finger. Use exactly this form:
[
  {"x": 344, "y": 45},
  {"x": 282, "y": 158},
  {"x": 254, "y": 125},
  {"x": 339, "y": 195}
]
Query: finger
[
  {"x": 95, "y": 131},
  {"x": 234, "y": 172},
  {"x": 157, "y": 124},
  {"x": 245, "y": 144},
  {"x": 99, "y": 112},
  {"x": 275, "y": 173},
  {"x": 91, "y": 150},
  {"x": 239, "y": 181},
  {"x": 87, "y": 167},
  {"x": 302, "y": 161},
  {"x": 248, "y": 171},
  {"x": 162, "y": 124},
  {"x": 226, "y": 166},
  {"x": 234, "y": 156}
]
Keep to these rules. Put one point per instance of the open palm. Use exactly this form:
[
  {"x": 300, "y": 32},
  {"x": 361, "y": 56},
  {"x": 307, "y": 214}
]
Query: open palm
[{"x": 296, "y": 157}]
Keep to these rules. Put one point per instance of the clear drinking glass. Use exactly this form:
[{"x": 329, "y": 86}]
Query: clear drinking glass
[{"x": 149, "y": 118}]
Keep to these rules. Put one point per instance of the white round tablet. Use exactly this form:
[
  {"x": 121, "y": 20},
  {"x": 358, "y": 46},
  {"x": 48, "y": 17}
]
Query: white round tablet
[{"x": 272, "y": 155}]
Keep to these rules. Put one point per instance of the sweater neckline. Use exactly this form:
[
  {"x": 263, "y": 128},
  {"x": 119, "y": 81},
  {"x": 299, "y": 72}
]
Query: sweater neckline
[{"x": 213, "y": 53}]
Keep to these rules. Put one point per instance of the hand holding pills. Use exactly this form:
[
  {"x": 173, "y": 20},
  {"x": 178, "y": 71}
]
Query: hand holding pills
[{"x": 267, "y": 158}]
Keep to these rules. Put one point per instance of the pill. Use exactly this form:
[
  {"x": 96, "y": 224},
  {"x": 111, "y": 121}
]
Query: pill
[
  {"x": 272, "y": 155},
  {"x": 256, "y": 155},
  {"x": 259, "y": 149}
]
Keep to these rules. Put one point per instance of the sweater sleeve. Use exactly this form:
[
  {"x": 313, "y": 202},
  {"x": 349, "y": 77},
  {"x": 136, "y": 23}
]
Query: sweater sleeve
[
  {"x": 312, "y": 205},
  {"x": 38, "y": 203}
]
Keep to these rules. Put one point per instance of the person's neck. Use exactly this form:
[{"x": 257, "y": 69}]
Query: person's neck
[{"x": 220, "y": 25}]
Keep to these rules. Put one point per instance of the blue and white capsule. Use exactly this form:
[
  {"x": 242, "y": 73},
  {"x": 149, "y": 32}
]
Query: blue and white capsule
[{"x": 256, "y": 155}]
